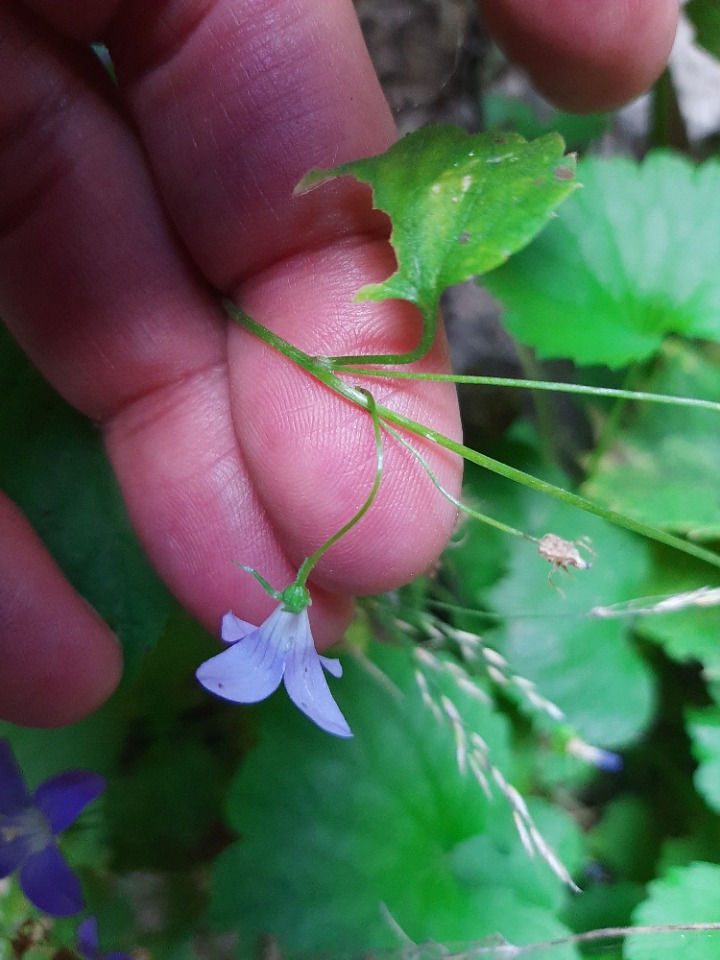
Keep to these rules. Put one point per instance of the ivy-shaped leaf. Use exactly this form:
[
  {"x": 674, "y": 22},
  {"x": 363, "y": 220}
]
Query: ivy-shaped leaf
[
  {"x": 460, "y": 204},
  {"x": 630, "y": 259},
  {"x": 54, "y": 467},
  {"x": 336, "y": 837}
]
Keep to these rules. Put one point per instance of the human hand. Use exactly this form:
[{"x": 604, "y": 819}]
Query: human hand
[
  {"x": 586, "y": 57},
  {"x": 120, "y": 218}
]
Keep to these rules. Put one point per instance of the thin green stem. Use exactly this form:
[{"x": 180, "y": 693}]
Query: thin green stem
[
  {"x": 549, "y": 385},
  {"x": 322, "y": 372},
  {"x": 612, "y": 422},
  {"x": 543, "y": 407},
  {"x": 267, "y": 587},
  {"x": 463, "y": 507},
  {"x": 429, "y": 321},
  {"x": 318, "y": 367},
  {"x": 667, "y": 124},
  {"x": 542, "y": 486},
  {"x": 310, "y": 562}
]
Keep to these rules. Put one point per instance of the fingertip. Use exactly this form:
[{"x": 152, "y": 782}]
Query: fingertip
[
  {"x": 59, "y": 661},
  {"x": 586, "y": 57}
]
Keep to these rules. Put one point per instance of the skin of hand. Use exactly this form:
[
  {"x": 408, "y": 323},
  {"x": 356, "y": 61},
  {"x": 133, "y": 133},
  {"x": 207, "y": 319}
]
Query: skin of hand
[{"x": 125, "y": 211}]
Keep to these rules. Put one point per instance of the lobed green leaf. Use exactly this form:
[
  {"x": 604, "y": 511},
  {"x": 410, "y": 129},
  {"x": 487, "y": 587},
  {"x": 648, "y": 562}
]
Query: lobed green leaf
[
  {"x": 335, "y": 836},
  {"x": 588, "y": 667},
  {"x": 630, "y": 259},
  {"x": 688, "y": 894},
  {"x": 460, "y": 204}
]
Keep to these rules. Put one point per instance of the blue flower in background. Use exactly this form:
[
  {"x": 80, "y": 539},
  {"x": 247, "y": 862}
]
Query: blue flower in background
[
  {"x": 29, "y": 825},
  {"x": 260, "y": 657},
  {"x": 602, "y": 759},
  {"x": 87, "y": 942}
]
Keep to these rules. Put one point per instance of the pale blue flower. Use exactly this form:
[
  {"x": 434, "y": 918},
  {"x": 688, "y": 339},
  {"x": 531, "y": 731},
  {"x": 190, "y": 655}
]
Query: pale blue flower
[
  {"x": 29, "y": 825},
  {"x": 281, "y": 648}
]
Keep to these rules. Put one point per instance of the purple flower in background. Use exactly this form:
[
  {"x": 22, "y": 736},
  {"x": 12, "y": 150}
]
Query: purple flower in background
[
  {"x": 260, "y": 657},
  {"x": 29, "y": 825},
  {"x": 88, "y": 944}
]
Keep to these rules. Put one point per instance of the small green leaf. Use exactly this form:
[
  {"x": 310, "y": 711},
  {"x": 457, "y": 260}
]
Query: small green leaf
[
  {"x": 683, "y": 895},
  {"x": 630, "y": 259},
  {"x": 337, "y": 835},
  {"x": 704, "y": 729},
  {"x": 460, "y": 204},
  {"x": 54, "y": 467},
  {"x": 663, "y": 470}
]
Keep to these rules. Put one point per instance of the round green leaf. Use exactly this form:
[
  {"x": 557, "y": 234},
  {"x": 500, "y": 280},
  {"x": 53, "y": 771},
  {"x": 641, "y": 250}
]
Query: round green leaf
[
  {"x": 586, "y": 666},
  {"x": 630, "y": 259},
  {"x": 337, "y": 835}
]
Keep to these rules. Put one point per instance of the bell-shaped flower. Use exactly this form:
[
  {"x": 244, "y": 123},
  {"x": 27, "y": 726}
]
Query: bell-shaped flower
[
  {"x": 29, "y": 825},
  {"x": 88, "y": 944},
  {"x": 282, "y": 648}
]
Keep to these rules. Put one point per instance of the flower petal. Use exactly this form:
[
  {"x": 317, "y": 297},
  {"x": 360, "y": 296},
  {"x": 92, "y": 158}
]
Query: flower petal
[
  {"x": 234, "y": 629},
  {"x": 49, "y": 883},
  {"x": 64, "y": 797},
  {"x": 86, "y": 938},
  {"x": 306, "y": 684},
  {"x": 332, "y": 666},
  {"x": 14, "y": 846},
  {"x": 251, "y": 669},
  {"x": 14, "y": 796}
]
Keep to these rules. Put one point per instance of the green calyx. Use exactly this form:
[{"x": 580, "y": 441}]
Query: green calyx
[{"x": 295, "y": 598}]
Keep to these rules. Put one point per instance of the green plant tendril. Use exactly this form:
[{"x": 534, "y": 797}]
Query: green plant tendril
[
  {"x": 549, "y": 385},
  {"x": 310, "y": 562},
  {"x": 296, "y": 596},
  {"x": 429, "y": 328},
  {"x": 463, "y": 507},
  {"x": 277, "y": 594},
  {"x": 322, "y": 371}
]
